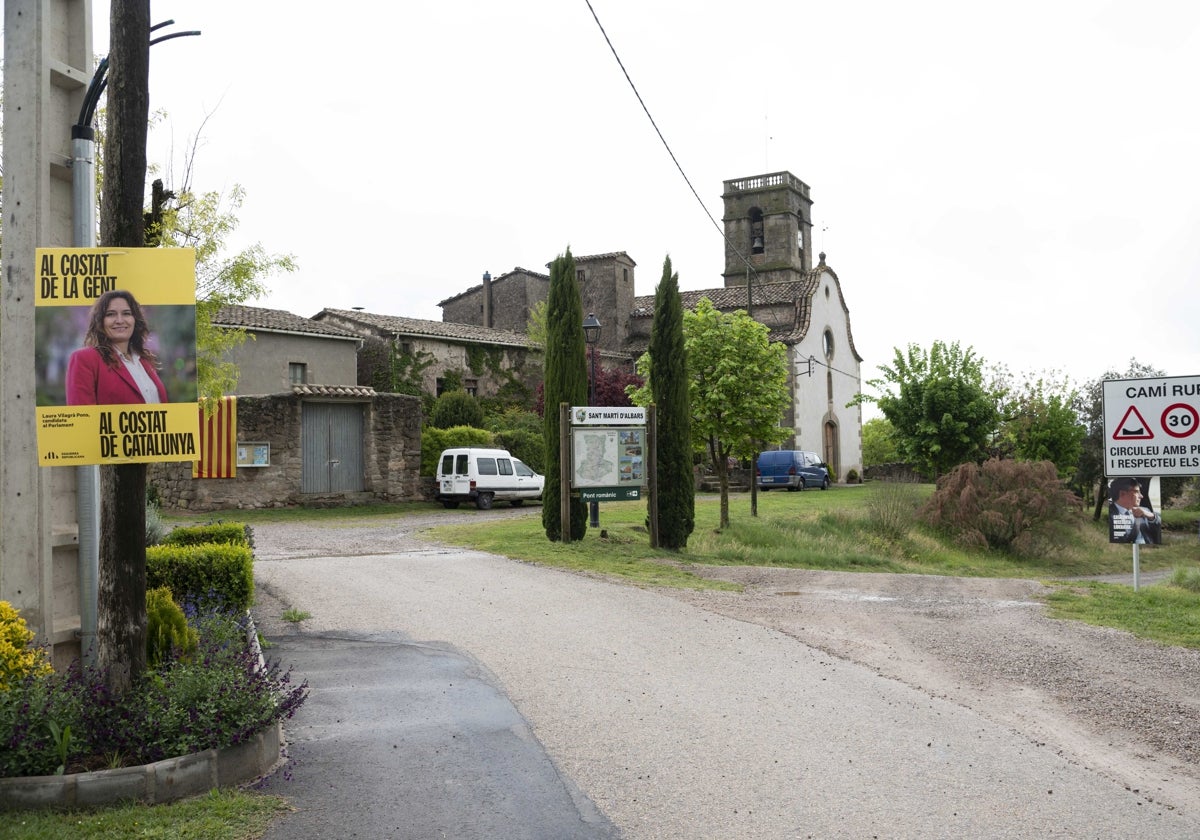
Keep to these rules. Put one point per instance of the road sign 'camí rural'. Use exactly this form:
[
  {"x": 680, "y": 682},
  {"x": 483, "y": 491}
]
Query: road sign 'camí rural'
[{"x": 1152, "y": 426}]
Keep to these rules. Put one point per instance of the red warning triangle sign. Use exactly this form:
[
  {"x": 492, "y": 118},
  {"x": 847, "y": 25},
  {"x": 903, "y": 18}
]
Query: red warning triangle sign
[{"x": 1133, "y": 427}]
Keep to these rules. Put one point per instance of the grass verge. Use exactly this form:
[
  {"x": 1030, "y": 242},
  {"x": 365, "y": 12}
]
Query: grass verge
[
  {"x": 218, "y": 815},
  {"x": 865, "y": 529},
  {"x": 1164, "y": 612}
]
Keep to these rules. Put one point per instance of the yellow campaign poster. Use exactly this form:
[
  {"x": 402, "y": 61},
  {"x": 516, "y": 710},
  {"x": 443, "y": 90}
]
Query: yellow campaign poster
[{"x": 115, "y": 353}]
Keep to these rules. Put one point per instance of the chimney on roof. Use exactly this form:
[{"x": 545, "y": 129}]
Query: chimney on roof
[{"x": 487, "y": 299}]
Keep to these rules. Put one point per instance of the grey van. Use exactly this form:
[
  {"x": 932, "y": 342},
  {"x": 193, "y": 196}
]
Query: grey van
[{"x": 794, "y": 469}]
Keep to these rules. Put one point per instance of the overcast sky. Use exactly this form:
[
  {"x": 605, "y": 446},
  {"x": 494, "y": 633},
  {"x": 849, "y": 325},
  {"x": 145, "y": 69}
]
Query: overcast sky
[{"x": 1020, "y": 177}]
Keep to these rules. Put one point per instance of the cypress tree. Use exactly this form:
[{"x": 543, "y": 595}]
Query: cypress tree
[
  {"x": 669, "y": 385},
  {"x": 566, "y": 381}
]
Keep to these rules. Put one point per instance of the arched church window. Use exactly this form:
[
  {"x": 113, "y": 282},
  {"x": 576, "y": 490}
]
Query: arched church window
[
  {"x": 827, "y": 343},
  {"x": 757, "y": 239}
]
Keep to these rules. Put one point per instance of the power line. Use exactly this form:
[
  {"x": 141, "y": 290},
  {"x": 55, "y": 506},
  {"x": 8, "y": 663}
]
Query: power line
[
  {"x": 666, "y": 145},
  {"x": 813, "y": 360}
]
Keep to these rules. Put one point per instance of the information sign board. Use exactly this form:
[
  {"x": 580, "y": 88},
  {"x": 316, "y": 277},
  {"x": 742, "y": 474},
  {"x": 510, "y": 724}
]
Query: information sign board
[{"x": 1152, "y": 426}]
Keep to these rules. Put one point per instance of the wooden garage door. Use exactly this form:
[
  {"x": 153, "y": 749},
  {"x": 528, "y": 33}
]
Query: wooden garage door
[{"x": 332, "y": 441}]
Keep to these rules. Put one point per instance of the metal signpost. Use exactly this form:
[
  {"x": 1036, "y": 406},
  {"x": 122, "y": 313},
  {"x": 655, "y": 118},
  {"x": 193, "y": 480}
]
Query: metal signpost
[{"x": 1151, "y": 428}]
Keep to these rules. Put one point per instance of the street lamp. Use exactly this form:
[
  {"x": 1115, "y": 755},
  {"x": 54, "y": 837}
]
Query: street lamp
[{"x": 591, "y": 335}]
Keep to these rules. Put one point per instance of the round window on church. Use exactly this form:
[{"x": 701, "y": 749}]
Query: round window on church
[{"x": 827, "y": 343}]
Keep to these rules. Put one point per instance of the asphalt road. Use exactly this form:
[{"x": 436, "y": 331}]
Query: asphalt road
[{"x": 673, "y": 721}]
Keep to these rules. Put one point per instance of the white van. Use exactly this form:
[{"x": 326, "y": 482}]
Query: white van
[{"x": 484, "y": 476}]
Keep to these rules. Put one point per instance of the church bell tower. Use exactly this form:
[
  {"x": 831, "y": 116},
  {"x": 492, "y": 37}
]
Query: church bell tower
[{"x": 768, "y": 223}]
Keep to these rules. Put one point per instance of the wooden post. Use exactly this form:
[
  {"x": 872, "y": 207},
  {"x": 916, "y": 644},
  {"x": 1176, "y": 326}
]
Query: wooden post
[{"x": 652, "y": 472}]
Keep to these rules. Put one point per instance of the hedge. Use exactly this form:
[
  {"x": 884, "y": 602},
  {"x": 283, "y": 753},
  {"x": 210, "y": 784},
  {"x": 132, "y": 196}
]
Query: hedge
[{"x": 206, "y": 575}]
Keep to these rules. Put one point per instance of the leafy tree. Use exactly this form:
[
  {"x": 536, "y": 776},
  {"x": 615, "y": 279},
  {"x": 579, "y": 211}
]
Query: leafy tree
[
  {"x": 1039, "y": 422},
  {"x": 536, "y": 329},
  {"x": 611, "y": 384},
  {"x": 938, "y": 406},
  {"x": 205, "y": 221},
  {"x": 612, "y": 387},
  {"x": 566, "y": 382},
  {"x": 879, "y": 442},
  {"x": 737, "y": 387},
  {"x": 456, "y": 408},
  {"x": 668, "y": 383}
]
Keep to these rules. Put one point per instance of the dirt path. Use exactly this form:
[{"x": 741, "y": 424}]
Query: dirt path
[
  {"x": 1126, "y": 708},
  {"x": 1122, "y": 707}
]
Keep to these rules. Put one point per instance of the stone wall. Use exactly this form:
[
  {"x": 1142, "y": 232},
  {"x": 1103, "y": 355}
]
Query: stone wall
[
  {"x": 514, "y": 295},
  {"x": 894, "y": 472},
  {"x": 606, "y": 291},
  {"x": 391, "y": 459}
]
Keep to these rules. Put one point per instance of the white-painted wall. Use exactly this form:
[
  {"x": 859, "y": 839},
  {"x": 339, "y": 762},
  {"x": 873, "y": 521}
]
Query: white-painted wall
[{"x": 813, "y": 406}]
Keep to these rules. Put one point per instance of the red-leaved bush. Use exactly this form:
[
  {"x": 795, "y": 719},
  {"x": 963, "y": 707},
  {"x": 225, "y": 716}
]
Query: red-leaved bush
[{"x": 1015, "y": 506}]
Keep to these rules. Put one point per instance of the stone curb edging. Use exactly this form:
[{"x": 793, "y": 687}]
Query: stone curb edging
[{"x": 162, "y": 781}]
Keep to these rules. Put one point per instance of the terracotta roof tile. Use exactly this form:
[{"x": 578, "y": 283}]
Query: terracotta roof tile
[
  {"x": 333, "y": 391},
  {"x": 610, "y": 255},
  {"x": 388, "y": 325},
  {"x": 731, "y": 298},
  {"x": 505, "y": 276},
  {"x": 275, "y": 320}
]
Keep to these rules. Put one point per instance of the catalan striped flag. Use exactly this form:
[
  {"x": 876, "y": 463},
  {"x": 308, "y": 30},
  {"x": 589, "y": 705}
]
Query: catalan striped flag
[{"x": 218, "y": 440}]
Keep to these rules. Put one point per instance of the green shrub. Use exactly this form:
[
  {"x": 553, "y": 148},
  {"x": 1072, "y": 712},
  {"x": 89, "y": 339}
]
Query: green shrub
[
  {"x": 514, "y": 419},
  {"x": 206, "y": 575},
  {"x": 433, "y": 441},
  {"x": 228, "y": 533},
  {"x": 456, "y": 408},
  {"x": 852, "y": 476},
  {"x": 1185, "y": 578},
  {"x": 167, "y": 633},
  {"x": 19, "y": 658},
  {"x": 1016, "y": 506},
  {"x": 155, "y": 529},
  {"x": 892, "y": 507},
  {"x": 219, "y": 698},
  {"x": 530, "y": 447}
]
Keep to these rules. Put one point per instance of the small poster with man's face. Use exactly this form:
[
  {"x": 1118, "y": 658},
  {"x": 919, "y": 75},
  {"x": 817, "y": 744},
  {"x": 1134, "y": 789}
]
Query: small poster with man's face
[{"x": 1131, "y": 516}]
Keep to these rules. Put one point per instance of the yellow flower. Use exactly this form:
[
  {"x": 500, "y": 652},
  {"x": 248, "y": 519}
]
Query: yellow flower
[{"x": 18, "y": 658}]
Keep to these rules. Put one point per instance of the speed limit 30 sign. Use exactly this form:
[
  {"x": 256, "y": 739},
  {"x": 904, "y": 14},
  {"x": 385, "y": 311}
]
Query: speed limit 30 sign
[{"x": 1152, "y": 426}]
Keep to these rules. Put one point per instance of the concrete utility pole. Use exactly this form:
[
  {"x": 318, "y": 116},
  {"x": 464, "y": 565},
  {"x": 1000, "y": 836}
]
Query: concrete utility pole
[{"x": 47, "y": 65}]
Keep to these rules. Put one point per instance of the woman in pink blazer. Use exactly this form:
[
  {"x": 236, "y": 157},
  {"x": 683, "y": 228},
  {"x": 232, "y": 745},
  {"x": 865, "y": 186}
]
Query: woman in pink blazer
[{"x": 114, "y": 367}]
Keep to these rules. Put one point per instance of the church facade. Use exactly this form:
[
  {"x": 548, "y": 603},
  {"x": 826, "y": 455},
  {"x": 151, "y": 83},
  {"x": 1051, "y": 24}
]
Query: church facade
[{"x": 768, "y": 272}]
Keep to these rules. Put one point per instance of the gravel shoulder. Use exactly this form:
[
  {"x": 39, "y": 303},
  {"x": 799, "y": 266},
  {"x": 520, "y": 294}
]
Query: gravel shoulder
[
  {"x": 1099, "y": 697},
  {"x": 1124, "y": 708}
]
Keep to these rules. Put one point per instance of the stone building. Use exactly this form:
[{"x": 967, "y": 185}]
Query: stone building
[
  {"x": 488, "y": 361},
  {"x": 768, "y": 272},
  {"x": 502, "y": 303},
  {"x": 321, "y": 438},
  {"x": 282, "y": 350},
  {"x": 606, "y": 284}
]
